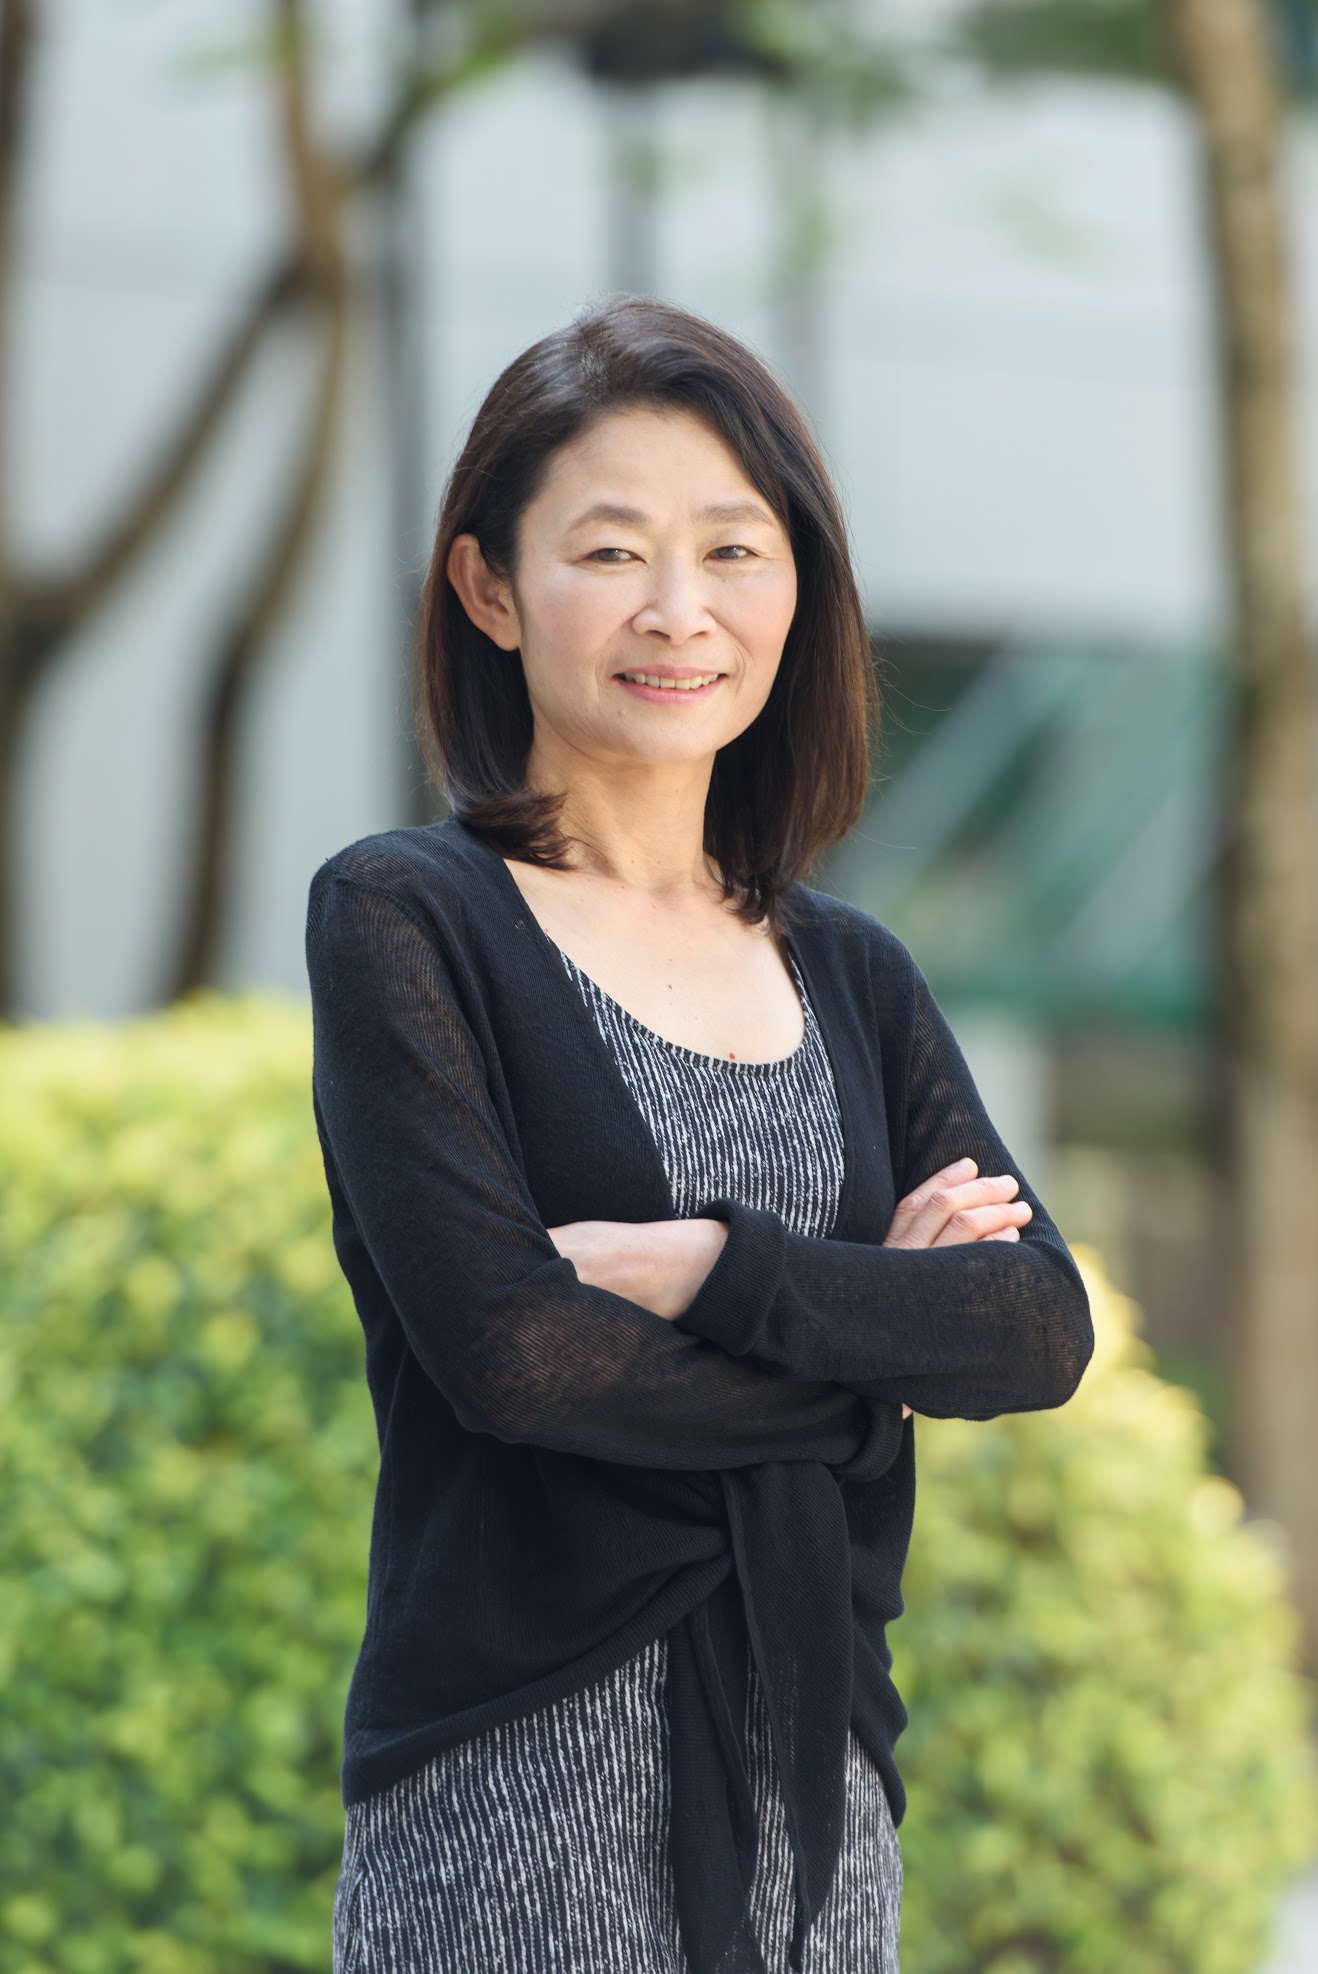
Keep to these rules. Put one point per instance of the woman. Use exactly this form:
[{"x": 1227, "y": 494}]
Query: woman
[{"x": 664, "y": 1195}]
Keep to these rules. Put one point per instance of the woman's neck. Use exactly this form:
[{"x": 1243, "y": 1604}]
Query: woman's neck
[{"x": 643, "y": 829}]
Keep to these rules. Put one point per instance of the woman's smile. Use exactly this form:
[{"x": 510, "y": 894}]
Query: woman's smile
[{"x": 669, "y": 682}]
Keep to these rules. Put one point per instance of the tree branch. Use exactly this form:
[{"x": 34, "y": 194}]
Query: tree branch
[
  {"x": 241, "y": 648},
  {"x": 57, "y": 605},
  {"x": 318, "y": 204}
]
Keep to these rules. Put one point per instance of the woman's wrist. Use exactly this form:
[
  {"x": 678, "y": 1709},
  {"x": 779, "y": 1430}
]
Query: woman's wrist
[
  {"x": 684, "y": 1255},
  {"x": 659, "y": 1264}
]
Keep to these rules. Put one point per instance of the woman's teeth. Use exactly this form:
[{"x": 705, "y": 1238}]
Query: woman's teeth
[{"x": 671, "y": 685}]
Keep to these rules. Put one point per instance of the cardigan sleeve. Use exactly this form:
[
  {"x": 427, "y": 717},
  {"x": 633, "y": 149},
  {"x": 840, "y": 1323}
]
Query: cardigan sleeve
[
  {"x": 430, "y": 1201},
  {"x": 967, "y": 1331}
]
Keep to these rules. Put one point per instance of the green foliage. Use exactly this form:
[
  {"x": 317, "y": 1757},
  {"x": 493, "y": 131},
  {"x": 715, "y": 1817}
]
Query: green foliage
[
  {"x": 854, "y": 71},
  {"x": 1124, "y": 39},
  {"x": 187, "y": 1460},
  {"x": 1107, "y": 1761},
  {"x": 1106, "y": 1756}
]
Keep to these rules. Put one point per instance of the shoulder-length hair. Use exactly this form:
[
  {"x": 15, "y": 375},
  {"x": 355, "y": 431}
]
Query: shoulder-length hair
[{"x": 795, "y": 781}]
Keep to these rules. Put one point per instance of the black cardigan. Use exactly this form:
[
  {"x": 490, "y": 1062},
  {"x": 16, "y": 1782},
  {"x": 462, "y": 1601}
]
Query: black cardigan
[{"x": 565, "y": 1477}]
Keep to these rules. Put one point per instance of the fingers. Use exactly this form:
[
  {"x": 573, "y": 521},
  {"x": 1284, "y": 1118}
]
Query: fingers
[
  {"x": 951, "y": 1175},
  {"x": 908, "y": 1229},
  {"x": 955, "y": 1206},
  {"x": 982, "y": 1223}
]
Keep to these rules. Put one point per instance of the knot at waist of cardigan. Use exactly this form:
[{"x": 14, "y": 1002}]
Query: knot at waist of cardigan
[{"x": 791, "y": 1581}]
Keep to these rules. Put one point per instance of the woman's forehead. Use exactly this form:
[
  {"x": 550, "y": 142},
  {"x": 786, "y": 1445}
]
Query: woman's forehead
[{"x": 639, "y": 465}]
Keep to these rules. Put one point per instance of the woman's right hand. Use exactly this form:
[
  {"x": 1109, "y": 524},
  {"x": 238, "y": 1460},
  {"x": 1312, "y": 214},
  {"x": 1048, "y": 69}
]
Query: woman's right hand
[{"x": 955, "y": 1207}]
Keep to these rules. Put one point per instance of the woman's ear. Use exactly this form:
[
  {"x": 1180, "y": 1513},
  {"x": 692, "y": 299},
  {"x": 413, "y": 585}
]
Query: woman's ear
[{"x": 486, "y": 598}]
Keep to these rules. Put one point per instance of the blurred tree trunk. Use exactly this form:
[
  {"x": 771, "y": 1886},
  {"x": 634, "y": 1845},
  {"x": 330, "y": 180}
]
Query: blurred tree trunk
[{"x": 1271, "y": 862}]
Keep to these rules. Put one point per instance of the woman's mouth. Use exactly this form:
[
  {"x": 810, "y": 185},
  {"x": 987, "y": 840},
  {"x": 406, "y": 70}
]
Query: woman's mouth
[{"x": 669, "y": 684}]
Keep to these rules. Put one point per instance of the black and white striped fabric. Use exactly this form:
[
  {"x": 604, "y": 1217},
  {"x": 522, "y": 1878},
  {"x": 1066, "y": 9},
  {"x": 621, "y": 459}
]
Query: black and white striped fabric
[
  {"x": 766, "y": 1133},
  {"x": 540, "y": 1847}
]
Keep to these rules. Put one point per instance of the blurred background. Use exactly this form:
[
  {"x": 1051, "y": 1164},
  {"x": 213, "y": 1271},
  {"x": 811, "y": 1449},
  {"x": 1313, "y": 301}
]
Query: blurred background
[{"x": 259, "y": 260}]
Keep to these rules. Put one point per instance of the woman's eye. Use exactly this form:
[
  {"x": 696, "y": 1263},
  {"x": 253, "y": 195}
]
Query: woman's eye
[
  {"x": 733, "y": 551},
  {"x": 607, "y": 554}
]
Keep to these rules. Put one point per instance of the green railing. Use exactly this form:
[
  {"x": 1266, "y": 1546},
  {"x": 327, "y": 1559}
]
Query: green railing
[{"x": 1050, "y": 846}]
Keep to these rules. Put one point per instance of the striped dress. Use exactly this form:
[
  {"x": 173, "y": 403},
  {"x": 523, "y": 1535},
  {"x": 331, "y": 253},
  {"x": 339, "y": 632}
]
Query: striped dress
[{"x": 541, "y": 1846}]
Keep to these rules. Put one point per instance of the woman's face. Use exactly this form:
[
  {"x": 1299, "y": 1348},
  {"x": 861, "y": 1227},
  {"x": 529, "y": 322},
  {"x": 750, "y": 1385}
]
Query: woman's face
[{"x": 646, "y": 554}]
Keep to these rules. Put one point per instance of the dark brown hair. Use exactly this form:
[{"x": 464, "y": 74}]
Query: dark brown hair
[{"x": 795, "y": 781}]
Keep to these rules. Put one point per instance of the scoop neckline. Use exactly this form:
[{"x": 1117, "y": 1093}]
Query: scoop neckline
[{"x": 778, "y": 1063}]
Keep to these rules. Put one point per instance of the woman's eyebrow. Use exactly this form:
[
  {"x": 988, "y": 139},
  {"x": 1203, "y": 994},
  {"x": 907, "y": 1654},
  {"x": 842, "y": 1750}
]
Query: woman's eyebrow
[
  {"x": 607, "y": 510},
  {"x": 633, "y": 517},
  {"x": 736, "y": 510}
]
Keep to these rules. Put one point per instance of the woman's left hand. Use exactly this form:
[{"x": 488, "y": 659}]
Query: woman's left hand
[{"x": 659, "y": 1264}]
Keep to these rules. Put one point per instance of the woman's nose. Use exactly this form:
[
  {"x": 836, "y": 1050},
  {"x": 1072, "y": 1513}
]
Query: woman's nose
[{"x": 675, "y": 607}]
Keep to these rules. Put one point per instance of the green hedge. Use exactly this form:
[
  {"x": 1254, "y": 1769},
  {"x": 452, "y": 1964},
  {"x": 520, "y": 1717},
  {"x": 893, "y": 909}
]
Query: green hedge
[
  {"x": 1106, "y": 1759},
  {"x": 186, "y": 1465}
]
